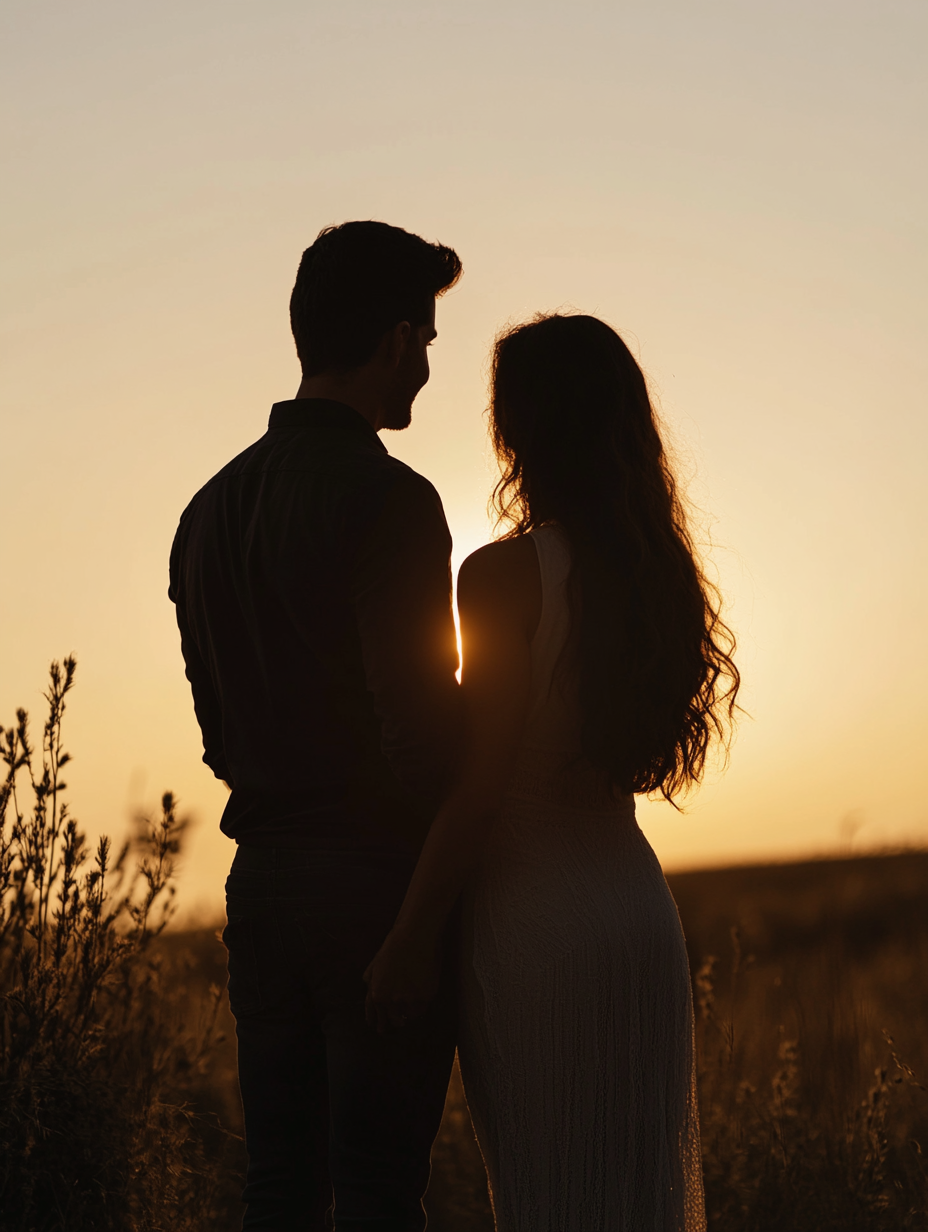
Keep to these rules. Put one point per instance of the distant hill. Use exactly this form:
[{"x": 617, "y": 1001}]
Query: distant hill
[{"x": 860, "y": 902}]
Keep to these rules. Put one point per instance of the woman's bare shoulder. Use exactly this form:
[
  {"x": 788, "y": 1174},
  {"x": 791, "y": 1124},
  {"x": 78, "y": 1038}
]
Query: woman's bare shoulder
[
  {"x": 499, "y": 559},
  {"x": 504, "y": 572}
]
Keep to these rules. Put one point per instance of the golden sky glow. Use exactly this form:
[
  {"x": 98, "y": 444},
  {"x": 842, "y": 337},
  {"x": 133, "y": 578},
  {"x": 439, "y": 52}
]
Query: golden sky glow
[{"x": 737, "y": 186}]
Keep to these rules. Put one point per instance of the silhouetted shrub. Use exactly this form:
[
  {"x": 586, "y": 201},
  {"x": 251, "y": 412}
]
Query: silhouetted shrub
[{"x": 94, "y": 1054}]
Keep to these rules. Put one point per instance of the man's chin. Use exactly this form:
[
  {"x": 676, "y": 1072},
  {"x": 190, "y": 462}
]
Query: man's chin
[{"x": 398, "y": 418}]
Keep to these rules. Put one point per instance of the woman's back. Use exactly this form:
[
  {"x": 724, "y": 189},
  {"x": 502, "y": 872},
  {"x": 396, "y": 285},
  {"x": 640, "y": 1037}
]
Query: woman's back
[{"x": 551, "y": 764}]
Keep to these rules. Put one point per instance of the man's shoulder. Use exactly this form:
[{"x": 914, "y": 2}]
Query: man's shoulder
[
  {"x": 404, "y": 477},
  {"x": 235, "y": 466},
  {"x": 408, "y": 497}
]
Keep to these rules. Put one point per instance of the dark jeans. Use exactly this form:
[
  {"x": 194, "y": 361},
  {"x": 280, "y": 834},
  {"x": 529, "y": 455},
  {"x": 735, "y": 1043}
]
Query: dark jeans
[{"x": 331, "y": 1107}]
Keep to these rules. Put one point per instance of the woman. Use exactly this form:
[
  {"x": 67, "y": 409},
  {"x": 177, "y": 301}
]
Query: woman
[{"x": 595, "y": 667}]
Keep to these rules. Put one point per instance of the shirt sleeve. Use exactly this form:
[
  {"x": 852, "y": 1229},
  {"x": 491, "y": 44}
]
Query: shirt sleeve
[
  {"x": 206, "y": 703},
  {"x": 401, "y": 590}
]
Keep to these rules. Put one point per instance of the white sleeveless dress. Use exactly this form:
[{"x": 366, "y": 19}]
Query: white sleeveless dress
[{"x": 576, "y": 1042}]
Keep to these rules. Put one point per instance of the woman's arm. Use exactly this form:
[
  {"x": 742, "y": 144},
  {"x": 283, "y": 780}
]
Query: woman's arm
[{"x": 499, "y": 599}]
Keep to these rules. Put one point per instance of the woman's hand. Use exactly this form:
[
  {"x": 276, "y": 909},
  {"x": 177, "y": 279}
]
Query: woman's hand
[{"x": 402, "y": 980}]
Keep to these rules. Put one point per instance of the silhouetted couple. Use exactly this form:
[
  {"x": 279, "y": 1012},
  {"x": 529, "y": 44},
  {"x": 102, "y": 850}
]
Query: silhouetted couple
[{"x": 420, "y": 865}]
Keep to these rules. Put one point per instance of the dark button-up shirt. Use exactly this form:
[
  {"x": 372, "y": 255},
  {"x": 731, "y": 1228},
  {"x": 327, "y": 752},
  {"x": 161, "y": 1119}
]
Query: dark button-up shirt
[{"x": 312, "y": 585}]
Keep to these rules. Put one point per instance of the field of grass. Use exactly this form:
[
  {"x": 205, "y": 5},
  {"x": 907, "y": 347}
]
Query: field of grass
[
  {"x": 812, "y": 1024},
  {"x": 119, "y": 1109}
]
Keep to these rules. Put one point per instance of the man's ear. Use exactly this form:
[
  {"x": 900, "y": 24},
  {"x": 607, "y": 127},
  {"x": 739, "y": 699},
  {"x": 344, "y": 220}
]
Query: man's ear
[{"x": 397, "y": 340}]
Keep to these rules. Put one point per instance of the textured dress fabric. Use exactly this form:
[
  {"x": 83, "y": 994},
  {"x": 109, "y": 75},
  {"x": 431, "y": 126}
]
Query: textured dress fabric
[{"x": 576, "y": 1041}]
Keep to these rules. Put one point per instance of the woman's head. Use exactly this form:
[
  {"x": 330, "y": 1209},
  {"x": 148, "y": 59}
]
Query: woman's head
[
  {"x": 579, "y": 444},
  {"x": 569, "y": 407}
]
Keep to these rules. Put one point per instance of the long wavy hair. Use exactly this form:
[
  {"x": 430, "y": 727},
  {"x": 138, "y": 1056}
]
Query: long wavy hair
[{"x": 578, "y": 444}]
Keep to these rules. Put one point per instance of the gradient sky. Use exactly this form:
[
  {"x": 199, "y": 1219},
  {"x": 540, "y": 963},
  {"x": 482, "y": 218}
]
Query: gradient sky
[{"x": 736, "y": 185}]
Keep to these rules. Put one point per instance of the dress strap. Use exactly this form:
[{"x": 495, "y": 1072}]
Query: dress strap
[{"x": 554, "y": 563}]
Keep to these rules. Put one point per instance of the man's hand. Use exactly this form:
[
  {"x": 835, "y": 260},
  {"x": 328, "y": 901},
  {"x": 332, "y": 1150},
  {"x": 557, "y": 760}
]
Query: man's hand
[{"x": 401, "y": 981}]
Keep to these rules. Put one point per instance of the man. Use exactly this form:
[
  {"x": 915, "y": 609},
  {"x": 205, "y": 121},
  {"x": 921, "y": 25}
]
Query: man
[{"x": 311, "y": 578}]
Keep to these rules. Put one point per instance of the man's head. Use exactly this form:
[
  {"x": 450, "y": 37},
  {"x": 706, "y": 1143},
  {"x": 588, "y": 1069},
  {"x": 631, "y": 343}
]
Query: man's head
[{"x": 364, "y": 298}]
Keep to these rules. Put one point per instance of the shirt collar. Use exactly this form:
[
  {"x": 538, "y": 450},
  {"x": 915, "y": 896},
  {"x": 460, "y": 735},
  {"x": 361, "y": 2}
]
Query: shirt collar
[{"x": 322, "y": 413}]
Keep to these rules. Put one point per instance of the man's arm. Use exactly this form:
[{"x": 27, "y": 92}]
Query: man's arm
[
  {"x": 401, "y": 585},
  {"x": 205, "y": 699}
]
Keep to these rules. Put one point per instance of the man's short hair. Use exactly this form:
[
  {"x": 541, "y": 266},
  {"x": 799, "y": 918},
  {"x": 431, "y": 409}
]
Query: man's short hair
[{"x": 356, "y": 282}]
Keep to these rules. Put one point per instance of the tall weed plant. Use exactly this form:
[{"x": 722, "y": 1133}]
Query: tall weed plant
[{"x": 95, "y": 1131}]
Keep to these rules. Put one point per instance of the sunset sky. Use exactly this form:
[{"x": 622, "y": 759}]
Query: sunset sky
[{"x": 737, "y": 186}]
